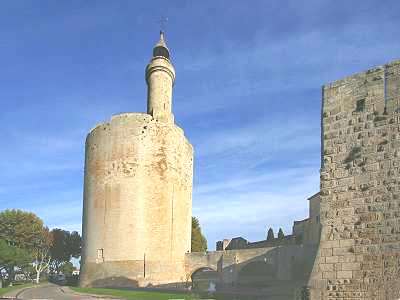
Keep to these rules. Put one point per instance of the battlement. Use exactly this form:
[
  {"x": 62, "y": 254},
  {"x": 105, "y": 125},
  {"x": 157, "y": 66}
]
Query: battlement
[{"x": 375, "y": 90}]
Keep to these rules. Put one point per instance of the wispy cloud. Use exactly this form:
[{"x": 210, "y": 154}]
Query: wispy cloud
[
  {"x": 246, "y": 206},
  {"x": 268, "y": 67},
  {"x": 263, "y": 137},
  {"x": 254, "y": 176}
]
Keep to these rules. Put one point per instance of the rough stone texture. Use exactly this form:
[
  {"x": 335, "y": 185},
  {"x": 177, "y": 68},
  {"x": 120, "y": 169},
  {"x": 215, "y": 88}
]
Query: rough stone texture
[
  {"x": 312, "y": 230},
  {"x": 283, "y": 260},
  {"x": 138, "y": 191},
  {"x": 160, "y": 76},
  {"x": 272, "y": 272},
  {"x": 138, "y": 186},
  {"x": 359, "y": 254}
]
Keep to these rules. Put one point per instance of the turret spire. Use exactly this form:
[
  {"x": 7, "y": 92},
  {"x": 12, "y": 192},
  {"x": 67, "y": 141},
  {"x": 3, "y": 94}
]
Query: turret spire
[
  {"x": 161, "y": 49},
  {"x": 160, "y": 77}
]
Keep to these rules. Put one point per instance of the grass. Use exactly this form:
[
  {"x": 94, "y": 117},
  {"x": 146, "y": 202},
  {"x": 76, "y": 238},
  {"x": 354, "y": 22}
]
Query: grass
[
  {"x": 14, "y": 287},
  {"x": 134, "y": 294}
]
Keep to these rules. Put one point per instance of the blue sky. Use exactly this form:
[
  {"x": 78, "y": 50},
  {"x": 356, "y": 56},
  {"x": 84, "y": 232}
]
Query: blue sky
[{"x": 247, "y": 94}]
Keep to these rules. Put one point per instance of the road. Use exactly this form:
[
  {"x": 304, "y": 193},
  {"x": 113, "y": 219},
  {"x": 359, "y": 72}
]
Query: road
[{"x": 52, "y": 291}]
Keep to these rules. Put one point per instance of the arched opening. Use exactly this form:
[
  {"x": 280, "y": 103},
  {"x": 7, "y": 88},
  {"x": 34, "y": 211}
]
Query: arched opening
[
  {"x": 203, "y": 278},
  {"x": 257, "y": 274}
]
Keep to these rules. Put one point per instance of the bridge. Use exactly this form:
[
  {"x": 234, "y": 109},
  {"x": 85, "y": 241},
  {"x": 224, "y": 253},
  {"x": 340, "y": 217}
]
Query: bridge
[{"x": 281, "y": 269}]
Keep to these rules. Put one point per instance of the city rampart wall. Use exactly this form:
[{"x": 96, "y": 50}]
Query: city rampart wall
[{"x": 359, "y": 253}]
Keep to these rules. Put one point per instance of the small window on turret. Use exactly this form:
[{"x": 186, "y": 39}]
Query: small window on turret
[{"x": 360, "y": 105}]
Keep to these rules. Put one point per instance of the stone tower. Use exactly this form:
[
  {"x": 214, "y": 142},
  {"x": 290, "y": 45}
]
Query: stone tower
[
  {"x": 138, "y": 191},
  {"x": 359, "y": 252}
]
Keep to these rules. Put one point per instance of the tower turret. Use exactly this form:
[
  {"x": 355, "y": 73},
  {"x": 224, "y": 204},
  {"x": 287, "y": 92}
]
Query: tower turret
[
  {"x": 137, "y": 210},
  {"x": 160, "y": 77}
]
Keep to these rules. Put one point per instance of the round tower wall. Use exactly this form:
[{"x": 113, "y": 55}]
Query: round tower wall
[
  {"x": 137, "y": 202},
  {"x": 160, "y": 76}
]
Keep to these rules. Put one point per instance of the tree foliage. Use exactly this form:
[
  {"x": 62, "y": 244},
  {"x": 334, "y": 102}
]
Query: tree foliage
[
  {"x": 11, "y": 256},
  {"x": 281, "y": 235},
  {"x": 199, "y": 242},
  {"x": 75, "y": 244},
  {"x": 25, "y": 239},
  {"x": 270, "y": 235},
  {"x": 67, "y": 269},
  {"x": 58, "y": 250},
  {"x": 41, "y": 252},
  {"x": 20, "y": 228},
  {"x": 65, "y": 246}
]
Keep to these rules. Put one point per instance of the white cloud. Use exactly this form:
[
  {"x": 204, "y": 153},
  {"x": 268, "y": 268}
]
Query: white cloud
[
  {"x": 268, "y": 67},
  {"x": 262, "y": 136},
  {"x": 67, "y": 226},
  {"x": 246, "y": 206}
]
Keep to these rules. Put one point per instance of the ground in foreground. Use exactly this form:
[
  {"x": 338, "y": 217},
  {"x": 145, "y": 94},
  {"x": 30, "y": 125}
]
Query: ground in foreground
[
  {"x": 9, "y": 289},
  {"x": 135, "y": 295}
]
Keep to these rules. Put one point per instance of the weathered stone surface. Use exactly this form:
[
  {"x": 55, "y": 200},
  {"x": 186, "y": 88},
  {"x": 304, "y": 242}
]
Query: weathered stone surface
[
  {"x": 138, "y": 193},
  {"x": 360, "y": 188},
  {"x": 138, "y": 185}
]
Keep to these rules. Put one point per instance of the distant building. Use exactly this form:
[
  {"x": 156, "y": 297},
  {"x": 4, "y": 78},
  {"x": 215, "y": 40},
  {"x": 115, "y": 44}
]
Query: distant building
[
  {"x": 306, "y": 231},
  {"x": 234, "y": 243}
]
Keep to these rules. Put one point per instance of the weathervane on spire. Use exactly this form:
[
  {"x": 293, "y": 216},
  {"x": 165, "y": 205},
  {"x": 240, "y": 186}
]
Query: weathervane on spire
[
  {"x": 161, "y": 49},
  {"x": 163, "y": 23}
]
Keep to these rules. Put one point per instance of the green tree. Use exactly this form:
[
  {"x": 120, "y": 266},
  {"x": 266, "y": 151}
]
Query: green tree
[
  {"x": 65, "y": 246},
  {"x": 199, "y": 242},
  {"x": 41, "y": 252},
  {"x": 270, "y": 235},
  {"x": 28, "y": 270},
  {"x": 20, "y": 228},
  {"x": 25, "y": 230},
  {"x": 74, "y": 244},
  {"x": 58, "y": 251},
  {"x": 281, "y": 235},
  {"x": 10, "y": 257},
  {"x": 67, "y": 269}
]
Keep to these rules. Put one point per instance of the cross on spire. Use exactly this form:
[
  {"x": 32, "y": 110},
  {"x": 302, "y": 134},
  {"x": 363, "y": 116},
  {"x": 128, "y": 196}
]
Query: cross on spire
[{"x": 163, "y": 23}]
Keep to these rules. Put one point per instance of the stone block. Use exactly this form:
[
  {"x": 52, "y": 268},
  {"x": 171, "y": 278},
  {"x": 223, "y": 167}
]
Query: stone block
[{"x": 344, "y": 274}]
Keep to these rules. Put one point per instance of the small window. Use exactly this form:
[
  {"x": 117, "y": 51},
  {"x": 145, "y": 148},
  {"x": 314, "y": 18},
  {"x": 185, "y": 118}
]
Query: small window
[
  {"x": 360, "y": 105},
  {"x": 317, "y": 218},
  {"x": 100, "y": 253}
]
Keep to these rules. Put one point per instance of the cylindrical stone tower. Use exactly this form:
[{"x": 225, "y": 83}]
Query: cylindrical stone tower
[{"x": 138, "y": 191}]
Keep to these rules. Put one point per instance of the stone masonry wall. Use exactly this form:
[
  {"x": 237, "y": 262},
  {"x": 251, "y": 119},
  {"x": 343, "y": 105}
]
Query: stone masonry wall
[
  {"x": 359, "y": 254},
  {"x": 288, "y": 263},
  {"x": 137, "y": 202}
]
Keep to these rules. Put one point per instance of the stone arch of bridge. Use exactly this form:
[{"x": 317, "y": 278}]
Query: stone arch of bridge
[
  {"x": 201, "y": 277},
  {"x": 201, "y": 270},
  {"x": 198, "y": 269}
]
